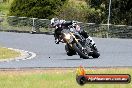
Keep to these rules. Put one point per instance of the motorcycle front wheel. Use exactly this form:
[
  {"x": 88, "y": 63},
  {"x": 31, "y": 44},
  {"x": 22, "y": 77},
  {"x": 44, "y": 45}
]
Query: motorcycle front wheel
[
  {"x": 78, "y": 49},
  {"x": 69, "y": 50}
]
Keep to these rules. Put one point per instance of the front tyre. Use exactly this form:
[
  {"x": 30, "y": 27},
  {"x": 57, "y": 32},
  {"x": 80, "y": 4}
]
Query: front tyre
[
  {"x": 79, "y": 51},
  {"x": 69, "y": 50}
]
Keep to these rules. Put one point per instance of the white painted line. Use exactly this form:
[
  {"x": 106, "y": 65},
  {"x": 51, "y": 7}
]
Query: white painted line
[{"x": 32, "y": 55}]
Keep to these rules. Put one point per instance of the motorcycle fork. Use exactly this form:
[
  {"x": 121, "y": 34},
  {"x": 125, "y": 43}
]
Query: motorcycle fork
[{"x": 76, "y": 40}]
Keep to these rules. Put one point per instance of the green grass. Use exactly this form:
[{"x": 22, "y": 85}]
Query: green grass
[
  {"x": 7, "y": 53},
  {"x": 55, "y": 78}
]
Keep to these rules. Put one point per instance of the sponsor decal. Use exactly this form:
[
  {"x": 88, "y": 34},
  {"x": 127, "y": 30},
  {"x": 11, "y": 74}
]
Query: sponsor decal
[{"x": 83, "y": 78}]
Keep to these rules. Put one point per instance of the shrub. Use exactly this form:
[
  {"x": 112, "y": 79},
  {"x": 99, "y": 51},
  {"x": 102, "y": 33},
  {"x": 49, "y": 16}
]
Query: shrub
[{"x": 36, "y": 8}]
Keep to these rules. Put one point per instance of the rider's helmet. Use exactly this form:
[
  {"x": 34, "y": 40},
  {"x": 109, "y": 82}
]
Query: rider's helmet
[
  {"x": 54, "y": 21},
  {"x": 74, "y": 23}
]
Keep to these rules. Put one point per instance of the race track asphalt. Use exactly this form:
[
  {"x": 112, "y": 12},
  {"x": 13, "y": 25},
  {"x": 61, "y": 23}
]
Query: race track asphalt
[{"x": 114, "y": 52}]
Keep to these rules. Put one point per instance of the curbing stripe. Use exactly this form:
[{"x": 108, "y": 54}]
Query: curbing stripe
[
  {"x": 25, "y": 55},
  {"x": 32, "y": 55}
]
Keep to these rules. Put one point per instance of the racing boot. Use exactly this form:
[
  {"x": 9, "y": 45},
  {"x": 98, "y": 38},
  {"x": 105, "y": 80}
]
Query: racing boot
[
  {"x": 94, "y": 47},
  {"x": 57, "y": 41},
  {"x": 91, "y": 40}
]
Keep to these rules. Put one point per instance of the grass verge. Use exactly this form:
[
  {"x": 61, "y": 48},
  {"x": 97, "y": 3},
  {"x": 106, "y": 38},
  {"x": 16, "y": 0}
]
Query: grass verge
[
  {"x": 56, "y": 78},
  {"x": 7, "y": 53}
]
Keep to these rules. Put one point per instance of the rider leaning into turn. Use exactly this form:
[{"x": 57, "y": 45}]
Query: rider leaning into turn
[{"x": 59, "y": 25}]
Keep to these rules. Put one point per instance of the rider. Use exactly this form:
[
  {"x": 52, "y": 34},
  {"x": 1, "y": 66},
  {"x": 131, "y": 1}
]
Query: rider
[{"x": 61, "y": 24}]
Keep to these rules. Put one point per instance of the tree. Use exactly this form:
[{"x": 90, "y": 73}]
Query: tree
[
  {"x": 97, "y": 9},
  {"x": 36, "y": 8},
  {"x": 121, "y": 10}
]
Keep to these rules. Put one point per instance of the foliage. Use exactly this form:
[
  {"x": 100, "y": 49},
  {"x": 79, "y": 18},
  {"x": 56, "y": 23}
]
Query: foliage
[
  {"x": 73, "y": 11},
  {"x": 95, "y": 11},
  {"x": 36, "y": 8},
  {"x": 121, "y": 10},
  {"x": 4, "y": 7}
]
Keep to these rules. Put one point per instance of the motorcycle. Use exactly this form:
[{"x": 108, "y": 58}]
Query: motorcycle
[{"x": 77, "y": 44}]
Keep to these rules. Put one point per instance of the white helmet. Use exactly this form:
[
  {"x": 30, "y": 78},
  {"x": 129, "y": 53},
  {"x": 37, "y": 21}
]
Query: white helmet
[{"x": 54, "y": 21}]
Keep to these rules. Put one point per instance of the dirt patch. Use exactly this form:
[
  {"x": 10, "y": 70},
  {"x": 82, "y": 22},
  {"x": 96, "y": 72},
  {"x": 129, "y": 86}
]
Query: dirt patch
[{"x": 35, "y": 71}]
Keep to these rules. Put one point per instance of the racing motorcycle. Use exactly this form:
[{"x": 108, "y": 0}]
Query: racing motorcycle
[{"x": 77, "y": 44}]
